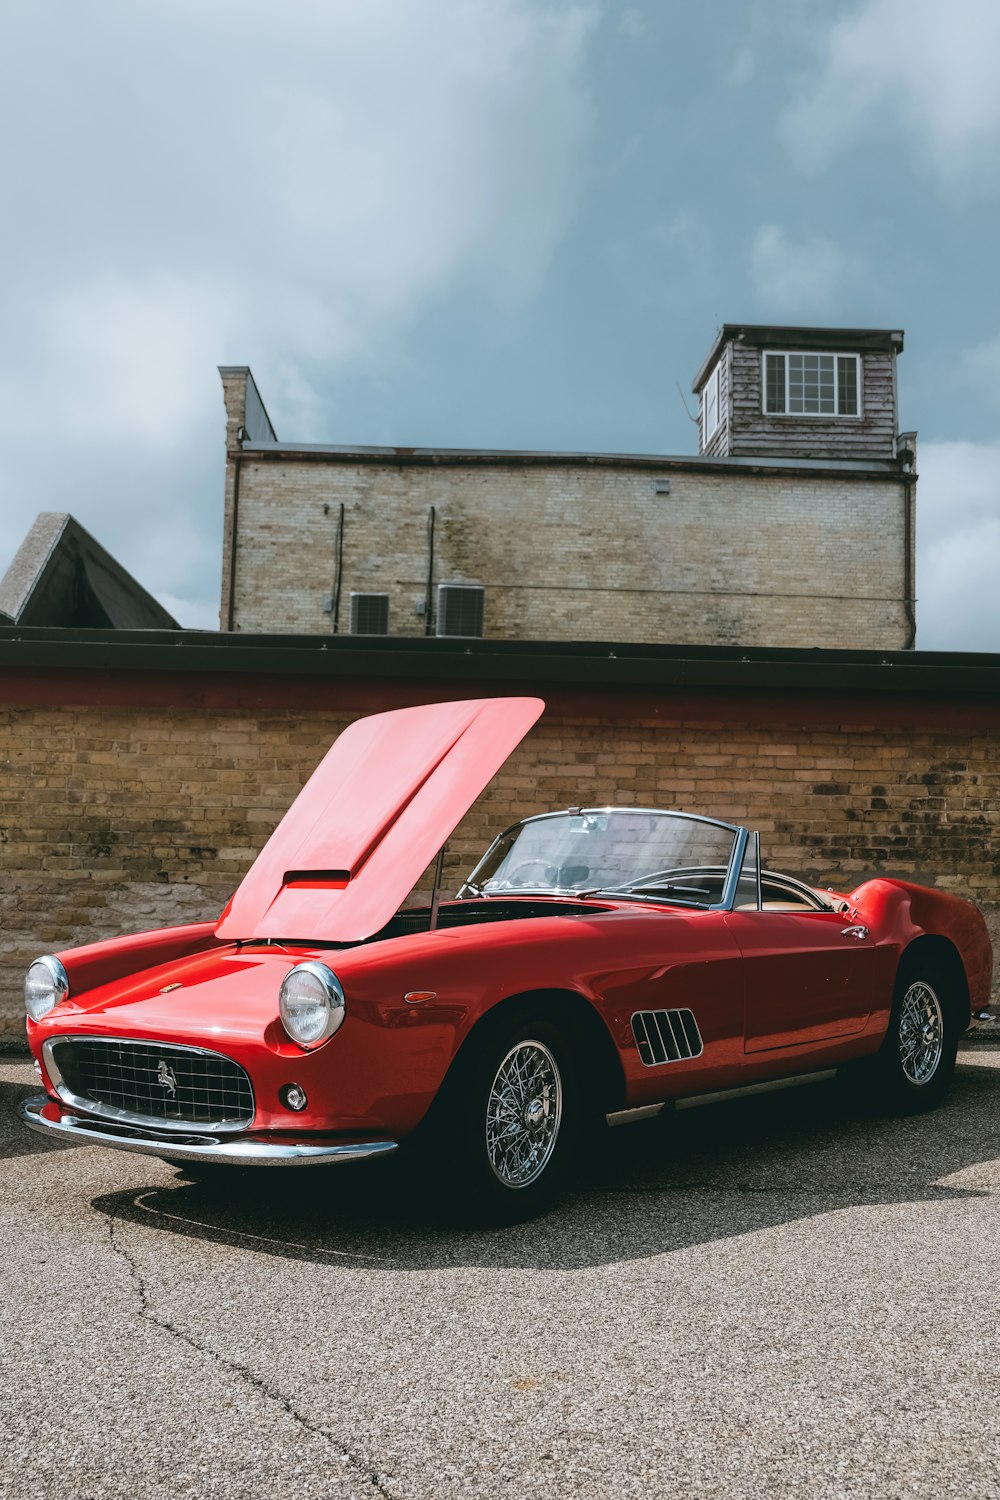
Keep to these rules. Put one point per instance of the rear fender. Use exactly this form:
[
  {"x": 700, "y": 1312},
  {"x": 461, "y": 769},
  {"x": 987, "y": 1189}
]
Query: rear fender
[{"x": 899, "y": 913}]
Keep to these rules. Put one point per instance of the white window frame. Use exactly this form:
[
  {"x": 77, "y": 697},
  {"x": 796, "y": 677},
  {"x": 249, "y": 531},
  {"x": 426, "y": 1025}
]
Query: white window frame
[
  {"x": 714, "y": 381},
  {"x": 813, "y": 416}
]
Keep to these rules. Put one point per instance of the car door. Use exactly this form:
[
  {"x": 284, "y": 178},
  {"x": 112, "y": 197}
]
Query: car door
[{"x": 808, "y": 976}]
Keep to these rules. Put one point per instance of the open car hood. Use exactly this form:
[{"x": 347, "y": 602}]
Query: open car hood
[{"x": 372, "y": 817}]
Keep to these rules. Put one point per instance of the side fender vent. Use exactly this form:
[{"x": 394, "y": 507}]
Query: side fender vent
[{"x": 666, "y": 1036}]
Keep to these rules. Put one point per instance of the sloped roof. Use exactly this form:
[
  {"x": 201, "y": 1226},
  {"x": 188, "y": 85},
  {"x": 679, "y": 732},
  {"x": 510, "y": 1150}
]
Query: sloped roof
[{"x": 61, "y": 575}]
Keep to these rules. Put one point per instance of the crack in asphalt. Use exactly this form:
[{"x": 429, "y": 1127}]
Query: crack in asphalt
[{"x": 256, "y": 1382}]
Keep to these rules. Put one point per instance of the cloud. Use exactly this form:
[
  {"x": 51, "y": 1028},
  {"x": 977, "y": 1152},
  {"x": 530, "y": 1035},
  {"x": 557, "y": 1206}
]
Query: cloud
[
  {"x": 632, "y": 22},
  {"x": 924, "y": 70},
  {"x": 958, "y": 544},
  {"x": 686, "y": 229},
  {"x": 193, "y": 614},
  {"x": 798, "y": 277},
  {"x": 119, "y": 359},
  {"x": 743, "y": 66},
  {"x": 289, "y": 187}
]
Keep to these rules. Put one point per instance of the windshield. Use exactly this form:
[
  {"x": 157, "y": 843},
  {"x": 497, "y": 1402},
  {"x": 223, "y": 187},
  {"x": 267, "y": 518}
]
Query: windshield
[{"x": 676, "y": 855}]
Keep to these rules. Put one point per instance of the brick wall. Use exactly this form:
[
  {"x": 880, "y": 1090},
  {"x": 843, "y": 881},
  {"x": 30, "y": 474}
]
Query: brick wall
[
  {"x": 118, "y": 818},
  {"x": 576, "y": 550}
]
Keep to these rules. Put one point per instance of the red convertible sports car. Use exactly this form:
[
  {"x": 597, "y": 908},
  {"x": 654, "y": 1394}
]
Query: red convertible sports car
[{"x": 597, "y": 960}]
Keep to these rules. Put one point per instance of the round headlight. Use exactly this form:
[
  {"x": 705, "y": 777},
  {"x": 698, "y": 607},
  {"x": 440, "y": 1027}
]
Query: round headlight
[
  {"x": 45, "y": 984},
  {"x": 311, "y": 1003}
]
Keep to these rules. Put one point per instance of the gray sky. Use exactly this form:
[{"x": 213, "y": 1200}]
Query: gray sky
[{"x": 481, "y": 223}]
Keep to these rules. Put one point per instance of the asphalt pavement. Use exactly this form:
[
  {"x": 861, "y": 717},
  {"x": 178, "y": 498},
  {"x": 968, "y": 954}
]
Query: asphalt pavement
[{"x": 773, "y": 1296}]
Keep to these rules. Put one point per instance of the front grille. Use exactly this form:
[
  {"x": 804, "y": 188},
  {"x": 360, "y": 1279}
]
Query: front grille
[
  {"x": 664, "y": 1036},
  {"x": 151, "y": 1083}
]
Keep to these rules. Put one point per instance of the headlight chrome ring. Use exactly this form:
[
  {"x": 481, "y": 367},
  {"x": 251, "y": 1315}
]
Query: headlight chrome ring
[
  {"x": 311, "y": 1004},
  {"x": 45, "y": 984}
]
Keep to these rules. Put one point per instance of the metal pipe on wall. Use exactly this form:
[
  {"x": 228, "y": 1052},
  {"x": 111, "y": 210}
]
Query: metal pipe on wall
[
  {"x": 908, "y": 601},
  {"x": 339, "y": 574},
  {"x": 428, "y": 606},
  {"x": 230, "y": 611}
]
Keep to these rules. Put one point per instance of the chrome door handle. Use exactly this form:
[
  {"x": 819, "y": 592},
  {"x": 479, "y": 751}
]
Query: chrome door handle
[{"x": 860, "y": 933}]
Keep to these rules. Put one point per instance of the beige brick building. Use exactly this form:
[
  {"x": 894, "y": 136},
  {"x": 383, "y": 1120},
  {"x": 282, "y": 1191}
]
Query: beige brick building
[{"x": 792, "y": 526}]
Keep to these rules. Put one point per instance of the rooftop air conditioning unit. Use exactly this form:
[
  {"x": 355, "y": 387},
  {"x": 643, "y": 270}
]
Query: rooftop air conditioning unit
[
  {"x": 460, "y": 609},
  {"x": 369, "y": 614}
]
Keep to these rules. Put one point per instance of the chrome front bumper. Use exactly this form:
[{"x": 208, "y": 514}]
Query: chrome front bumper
[{"x": 49, "y": 1118}]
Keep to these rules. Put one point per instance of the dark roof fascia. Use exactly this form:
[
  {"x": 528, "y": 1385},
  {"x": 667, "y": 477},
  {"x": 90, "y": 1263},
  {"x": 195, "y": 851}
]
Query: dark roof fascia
[
  {"x": 514, "y": 458},
  {"x": 601, "y": 664},
  {"x": 781, "y": 336}
]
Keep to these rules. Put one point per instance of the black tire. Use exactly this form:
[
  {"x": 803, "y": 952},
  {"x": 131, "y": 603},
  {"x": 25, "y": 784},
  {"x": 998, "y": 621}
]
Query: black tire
[
  {"x": 496, "y": 1151},
  {"x": 914, "y": 1067}
]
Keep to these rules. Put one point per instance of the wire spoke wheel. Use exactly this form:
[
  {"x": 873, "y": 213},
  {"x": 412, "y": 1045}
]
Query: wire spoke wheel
[
  {"x": 523, "y": 1114},
  {"x": 921, "y": 1033}
]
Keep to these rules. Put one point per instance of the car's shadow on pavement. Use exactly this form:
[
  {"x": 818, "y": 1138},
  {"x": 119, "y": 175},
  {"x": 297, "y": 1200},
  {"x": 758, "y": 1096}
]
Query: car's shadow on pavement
[
  {"x": 15, "y": 1138},
  {"x": 707, "y": 1174}
]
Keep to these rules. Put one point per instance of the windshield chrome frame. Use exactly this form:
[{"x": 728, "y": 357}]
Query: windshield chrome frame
[{"x": 741, "y": 838}]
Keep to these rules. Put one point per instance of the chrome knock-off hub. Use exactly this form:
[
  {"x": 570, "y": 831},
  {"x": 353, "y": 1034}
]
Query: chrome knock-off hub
[{"x": 534, "y": 1114}]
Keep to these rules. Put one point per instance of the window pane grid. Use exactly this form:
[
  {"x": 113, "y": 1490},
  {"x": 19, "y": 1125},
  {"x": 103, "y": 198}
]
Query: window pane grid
[
  {"x": 847, "y": 387},
  {"x": 811, "y": 385}
]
